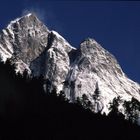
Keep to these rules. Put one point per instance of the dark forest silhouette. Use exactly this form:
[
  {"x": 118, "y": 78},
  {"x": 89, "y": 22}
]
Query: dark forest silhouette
[{"x": 28, "y": 113}]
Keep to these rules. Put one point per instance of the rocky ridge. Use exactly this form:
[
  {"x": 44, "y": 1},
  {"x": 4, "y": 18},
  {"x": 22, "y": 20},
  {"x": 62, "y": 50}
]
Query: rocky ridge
[{"x": 32, "y": 46}]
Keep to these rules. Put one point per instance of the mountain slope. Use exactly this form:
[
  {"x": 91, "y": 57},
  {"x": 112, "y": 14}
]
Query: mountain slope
[
  {"x": 95, "y": 68},
  {"x": 32, "y": 46}
]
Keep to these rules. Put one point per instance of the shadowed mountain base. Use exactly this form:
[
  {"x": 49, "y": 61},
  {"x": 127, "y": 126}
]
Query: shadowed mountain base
[{"x": 27, "y": 113}]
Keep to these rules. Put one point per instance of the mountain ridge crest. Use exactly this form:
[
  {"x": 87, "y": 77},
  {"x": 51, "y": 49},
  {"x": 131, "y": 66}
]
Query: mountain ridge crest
[{"x": 32, "y": 46}]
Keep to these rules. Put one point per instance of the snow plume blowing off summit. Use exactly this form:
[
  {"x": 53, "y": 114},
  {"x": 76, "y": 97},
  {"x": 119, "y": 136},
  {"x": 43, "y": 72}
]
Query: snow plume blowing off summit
[
  {"x": 41, "y": 14},
  {"x": 32, "y": 46}
]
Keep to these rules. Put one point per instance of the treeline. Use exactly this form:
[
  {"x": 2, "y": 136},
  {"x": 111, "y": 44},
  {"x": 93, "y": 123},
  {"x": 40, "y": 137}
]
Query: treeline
[{"x": 29, "y": 113}]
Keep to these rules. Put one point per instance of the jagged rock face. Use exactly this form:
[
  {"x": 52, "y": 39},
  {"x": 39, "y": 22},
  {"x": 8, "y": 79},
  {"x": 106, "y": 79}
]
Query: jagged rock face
[
  {"x": 24, "y": 39},
  {"x": 30, "y": 45},
  {"x": 97, "y": 68},
  {"x": 54, "y": 63}
]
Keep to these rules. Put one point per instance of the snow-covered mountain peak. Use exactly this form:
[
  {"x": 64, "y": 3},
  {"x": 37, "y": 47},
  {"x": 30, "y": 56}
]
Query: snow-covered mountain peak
[
  {"x": 30, "y": 14},
  {"x": 25, "y": 17},
  {"x": 32, "y": 46},
  {"x": 96, "y": 66},
  {"x": 89, "y": 40},
  {"x": 58, "y": 37},
  {"x": 90, "y": 46},
  {"x": 92, "y": 53}
]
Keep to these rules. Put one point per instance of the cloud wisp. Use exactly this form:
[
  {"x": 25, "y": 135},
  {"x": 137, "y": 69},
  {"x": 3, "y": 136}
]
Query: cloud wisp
[{"x": 41, "y": 14}]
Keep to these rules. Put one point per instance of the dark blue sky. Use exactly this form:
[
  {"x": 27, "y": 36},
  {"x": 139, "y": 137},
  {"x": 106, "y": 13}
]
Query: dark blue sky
[{"x": 115, "y": 25}]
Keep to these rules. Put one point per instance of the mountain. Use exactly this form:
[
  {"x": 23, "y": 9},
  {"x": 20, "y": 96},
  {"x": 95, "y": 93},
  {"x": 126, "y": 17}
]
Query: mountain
[{"x": 77, "y": 71}]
